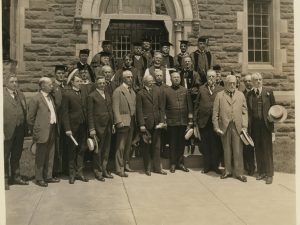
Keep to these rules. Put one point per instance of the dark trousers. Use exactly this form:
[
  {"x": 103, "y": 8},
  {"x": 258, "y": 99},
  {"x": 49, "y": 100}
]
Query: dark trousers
[
  {"x": 123, "y": 146},
  {"x": 177, "y": 144},
  {"x": 262, "y": 138},
  {"x": 211, "y": 147},
  {"x": 152, "y": 151},
  {"x": 100, "y": 159},
  {"x": 13, "y": 151},
  {"x": 76, "y": 153},
  {"x": 58, "y": 155},
  {"x": 44, "y": 156},
  {"x": 248, "y": 154}
]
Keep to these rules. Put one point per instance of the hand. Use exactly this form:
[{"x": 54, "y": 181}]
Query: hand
[
  {"x": 113, "y": 129},
  {"x": 120, "y": 125},
  {"x": 220, "y": 132},
  {"x": 143, "y": 129},
  {"x": 273, "y": 137},
  {"x": 69, "y": 133},
  {"x": 93, "y": 133}
]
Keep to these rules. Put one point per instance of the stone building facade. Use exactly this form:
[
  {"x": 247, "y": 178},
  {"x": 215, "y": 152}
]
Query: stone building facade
[{"x": 245, "y": 35}]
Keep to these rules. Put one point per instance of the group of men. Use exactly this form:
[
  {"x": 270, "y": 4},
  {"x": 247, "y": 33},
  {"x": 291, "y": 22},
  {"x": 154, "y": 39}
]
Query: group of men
[{"x": 143, "y": 98}]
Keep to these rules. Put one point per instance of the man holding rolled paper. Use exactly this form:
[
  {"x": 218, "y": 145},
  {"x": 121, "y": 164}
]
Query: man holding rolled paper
[{"x": 74, "y": 118}]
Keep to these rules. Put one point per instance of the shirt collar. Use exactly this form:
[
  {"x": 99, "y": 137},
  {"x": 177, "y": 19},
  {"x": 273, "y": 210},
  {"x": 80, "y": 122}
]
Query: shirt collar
[
  {"x": 44, "y": 94},
  {"x": 100, "y": 91},
  {"x": 58, "y": 82},
  {"x": 11, "y": 92},
  {"x": 75, "y": 89},
  {"x": 147, "y": 88},
  {"x": 126, "y": 86}
]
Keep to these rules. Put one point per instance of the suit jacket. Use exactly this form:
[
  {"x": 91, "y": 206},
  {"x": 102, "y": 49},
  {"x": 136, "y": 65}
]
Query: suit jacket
[
  {"x": 99, "y": 111},
  {"x": 38, "y": 117},
  {"x": 74, "y": 110},
  {"x": 124, "y": 105},
  {"x": 267, "y": 101},
  {"x": 227, "y": 109},
  {"x": 12, "y": 113},
  {"x": 149, "y": 108},
  {"x": 203, "y": 109}
]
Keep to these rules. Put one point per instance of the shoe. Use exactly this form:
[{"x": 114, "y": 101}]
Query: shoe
[
  {"x": 128, "y": 169},
  {"x": 122, "y": 174},
  {"x": 261, "y": 177},
  {"x": 183, "y": 168},
  {"x": 52, "y": 180},
  {"x": 226, "y": 175},
  {"x": 20, "y": 181},
  {"x": 148, "y": 173},
  {"x": 82, "y": 178},
  {"x": 269, "y": 180},
  {"x": 218, "y": 171},
  {"x": 172, "y": 169},
  {"x": 41, "y": 183},
  {"x": 162, "y": 172},
  {"x": 100, "y": 178},
  {"x": 242, "y": 178},
  {"x": 205, "y": 171},
  {"x": 107, "y": 175},
  {"x": 71, "y": 180}
]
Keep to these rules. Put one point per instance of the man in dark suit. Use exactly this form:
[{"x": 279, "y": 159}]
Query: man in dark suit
[
  {"x": 139, "y": 62},
  {"x": 82, "y": 64},
  {"x": 167, "y": 59},
  {"x": 100, "y": 120},
  {"x": 43, "y": 120},
  {"x": 248, "y": 152},
  {"x": 147, "y": 51},
  {"x": 210, "y": 141},
  {"x": 14, "y": 112},
  {"x": 259, "y": 100},
  {"x": 150, "y": 116},
  {"x": 179, "y": 113},
  {"x": 124, "y": 106},
  {"x": 74, "y": 118},
  {"x": 230, "y": 116}
]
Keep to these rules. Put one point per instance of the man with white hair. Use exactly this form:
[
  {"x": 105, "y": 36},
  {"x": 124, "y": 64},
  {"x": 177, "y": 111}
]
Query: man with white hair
[
  {"x": 150, "y": 119},
  {"x": 260, "y": 100},
  {"x": 42, "y": 120},
  {"x": 229, "y": 118}
]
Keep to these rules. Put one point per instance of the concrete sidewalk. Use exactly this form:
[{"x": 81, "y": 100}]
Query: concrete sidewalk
[{"x": 175, "y": 199}]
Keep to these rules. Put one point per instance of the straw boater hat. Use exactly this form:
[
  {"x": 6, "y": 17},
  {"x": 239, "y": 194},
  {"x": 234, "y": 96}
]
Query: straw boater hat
[
  {"x": 277, "y": 113},
  {"x": 93, "y": 144},
  {"x": 246, "y": 138},
  {"x": 73, "y": 72}
]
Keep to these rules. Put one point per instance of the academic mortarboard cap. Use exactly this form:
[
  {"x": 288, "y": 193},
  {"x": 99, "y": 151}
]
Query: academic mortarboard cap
[
  {"x": 137, "y": 44},
  {"x": 166, "y": 43},
  {"x": 61, "y": 67},
  {"x": 184, "y": 42},
  {"x": 172, "y": 70},
  {"x": 203, "y": 39},
  {"x": 217, "y": 67},
  {"x": 84, "y": 51},
  {"x": 103, "y": 54},
  {"x": 106, "y": 42}
]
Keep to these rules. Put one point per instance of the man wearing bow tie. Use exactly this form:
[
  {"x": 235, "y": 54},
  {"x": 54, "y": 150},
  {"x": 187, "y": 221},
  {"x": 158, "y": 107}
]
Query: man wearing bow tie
[
  {"x": 14, "y": 112},
  {"x": 230, "y": 116},
  {"x": 43, "y": 120},
  {"x": 74, "y": 116},
  {"x": 210, "y": 142}
]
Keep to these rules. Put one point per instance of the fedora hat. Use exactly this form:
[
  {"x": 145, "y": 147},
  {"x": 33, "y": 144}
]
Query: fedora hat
[
  {"x": 277, "y": 113},
  {"x": 32, "y": 147},
  {"x": 188, "y": 133},
  {"x": 92, "y": 144},
  {"x": 146, "y": 137},
  {"x": 246, "y": 138}
]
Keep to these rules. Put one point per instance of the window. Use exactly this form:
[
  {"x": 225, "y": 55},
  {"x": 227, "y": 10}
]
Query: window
[{"x": 259, "y": 31}]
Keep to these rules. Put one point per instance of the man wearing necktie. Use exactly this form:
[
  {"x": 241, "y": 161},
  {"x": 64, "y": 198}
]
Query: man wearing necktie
[
  {"x": 14, "y": 118},
  {"x": 43, "y": 120},
  {"x": 230, "y": 116},
  {"x": 150, "y": 114},
  {"x": 124, "y": 108},
  {"x": 74, "y": 116},
  {"x": 259, "y": 100},
  {"x": 210, "y": 144}
]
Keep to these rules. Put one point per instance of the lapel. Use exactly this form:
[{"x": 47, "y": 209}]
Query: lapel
[
  {"x": 250, "y": 99},
  {"x": 126, "y": 93},
  {"x": 263, "y": 96},
  {"x": 227, "y": 97},
  {"x": 43, "y": 99},
  {"x": 234, "y": 97},
  {"x": 149, "y": 95},
  {"x": 9, "y": 97}
]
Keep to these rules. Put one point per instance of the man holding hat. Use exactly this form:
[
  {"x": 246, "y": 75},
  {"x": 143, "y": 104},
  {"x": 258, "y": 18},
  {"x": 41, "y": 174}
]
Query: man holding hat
[
  {"x": 260, "y": 100},
  {"x": 183, "y": 53},
  {"x": 15, "y": 127},
  {"x": 150, "y": 118},
  {"x": 230, "y": 117},
  {"x": 202, "y": 58},
  {"x": 167, "y": 60},
  {"x": 179, "y": 113},
  {"x": 83, "y": 57},
  {"x": 106, "y": 48}
]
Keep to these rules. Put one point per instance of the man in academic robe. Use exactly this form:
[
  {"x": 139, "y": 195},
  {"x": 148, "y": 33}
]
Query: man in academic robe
[{"x": 183, "y": 53}]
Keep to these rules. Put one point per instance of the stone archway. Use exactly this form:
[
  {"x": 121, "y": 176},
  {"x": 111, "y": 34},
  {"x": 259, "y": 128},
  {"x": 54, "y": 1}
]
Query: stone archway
[{"x": 183, "y": 18}]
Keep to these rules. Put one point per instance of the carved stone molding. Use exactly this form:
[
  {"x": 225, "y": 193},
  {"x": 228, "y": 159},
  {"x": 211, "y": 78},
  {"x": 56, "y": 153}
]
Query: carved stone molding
[
  {"x": 195, "y": 9},
  {"x": 178, "y": 26},
  {"x": 95, "y": 24},
  {"x": 196, "y": 25},
  {"x": 78, "y": 8},
  {"x": 77, "y": 24}
]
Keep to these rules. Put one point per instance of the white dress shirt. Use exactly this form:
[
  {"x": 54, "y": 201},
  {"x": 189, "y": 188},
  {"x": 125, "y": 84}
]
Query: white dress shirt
[
  {"x": 101, "y": 92},
  {"x": 50, "y": 106}
]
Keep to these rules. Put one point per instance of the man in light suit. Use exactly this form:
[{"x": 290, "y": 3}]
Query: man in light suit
[
  {"x": 230, "y": 116},
  {"x": 100, "y": 121},
  {"x": 259, "y": 100},
  {"x": 43, "y": 120},
  {"x": 14, "y": 111},
  {"x": 124, "y": 106},
  {"x": 150, "y": 114}
]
